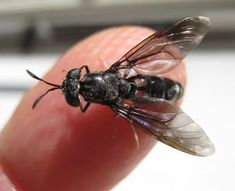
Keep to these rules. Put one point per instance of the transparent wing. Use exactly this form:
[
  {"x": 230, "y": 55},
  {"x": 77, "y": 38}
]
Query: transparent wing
[
  {"x": 164, "y": 50},
  {"x": 170, "y": 125}
]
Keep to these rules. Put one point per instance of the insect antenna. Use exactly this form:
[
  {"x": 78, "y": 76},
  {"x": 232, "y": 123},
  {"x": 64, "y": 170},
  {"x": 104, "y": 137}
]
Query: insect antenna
[
  {"x": 40, "y": 97},
  {"x": 55, "y": 87},
  {"x": 37, "y": 78}
]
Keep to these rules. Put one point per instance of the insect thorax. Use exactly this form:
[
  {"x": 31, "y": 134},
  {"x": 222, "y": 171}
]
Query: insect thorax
[{"x": 103, "y": 87}]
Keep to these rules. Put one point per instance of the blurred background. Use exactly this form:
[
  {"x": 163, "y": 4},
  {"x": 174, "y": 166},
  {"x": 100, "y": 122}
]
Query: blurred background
[{"x": 35, "y": 33}]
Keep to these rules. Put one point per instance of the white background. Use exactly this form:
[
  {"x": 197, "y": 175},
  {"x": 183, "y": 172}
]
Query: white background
[{"x": 209, "y": 101}]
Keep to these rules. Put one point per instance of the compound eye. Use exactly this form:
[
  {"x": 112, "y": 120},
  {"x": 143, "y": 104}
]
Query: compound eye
[{"x": 72, "y": 100}]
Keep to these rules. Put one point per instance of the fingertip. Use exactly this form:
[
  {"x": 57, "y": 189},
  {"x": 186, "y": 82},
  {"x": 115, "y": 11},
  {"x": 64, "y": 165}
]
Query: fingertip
[{"x": 63, "y": 142}]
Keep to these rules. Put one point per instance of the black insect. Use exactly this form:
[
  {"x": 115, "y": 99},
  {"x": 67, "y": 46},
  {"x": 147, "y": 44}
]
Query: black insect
[{"x": 132, "y": 89}]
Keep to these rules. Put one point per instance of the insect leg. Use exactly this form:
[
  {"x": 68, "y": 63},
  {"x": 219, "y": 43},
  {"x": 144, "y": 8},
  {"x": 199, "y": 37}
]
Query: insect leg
[
  {"x": 83, "y": 109},
  {"x": 115, "y": 126},
  {"x": 135, "y": 135},
  {"x": 104, "y": 62},
  {"x": 137, "y": 141},
  {"x": 86, "y": 68}
]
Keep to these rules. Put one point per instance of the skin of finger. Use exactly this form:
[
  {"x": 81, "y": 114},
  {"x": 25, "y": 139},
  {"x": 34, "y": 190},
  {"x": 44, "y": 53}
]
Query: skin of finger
[{"x": 55, "y": 146}]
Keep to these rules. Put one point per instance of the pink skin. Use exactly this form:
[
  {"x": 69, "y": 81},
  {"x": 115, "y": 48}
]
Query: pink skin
[{"x": 55, "y": 146}]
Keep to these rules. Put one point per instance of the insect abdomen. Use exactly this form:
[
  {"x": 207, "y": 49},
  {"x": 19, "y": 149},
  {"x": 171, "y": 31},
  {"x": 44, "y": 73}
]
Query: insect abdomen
[
  {"x": 157, "y": 87},
  {"x": 164, "y": 88}
]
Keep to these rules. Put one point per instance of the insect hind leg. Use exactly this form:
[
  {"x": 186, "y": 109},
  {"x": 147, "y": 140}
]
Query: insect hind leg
[
  {"x": 104, "y": 62},
  {"x": 135, "y": 135},
  {"x": 115, "y": 126}
]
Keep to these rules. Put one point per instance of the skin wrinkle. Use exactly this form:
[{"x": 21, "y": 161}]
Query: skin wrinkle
[
  {"x": 127, "y": 42},
  {"x": 121, "y": 40},
  {"x": 102, "y": 45}
]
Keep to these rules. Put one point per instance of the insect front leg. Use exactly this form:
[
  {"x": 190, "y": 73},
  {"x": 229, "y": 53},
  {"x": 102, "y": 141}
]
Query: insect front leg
[
  {"x": 83, "y": 109},
  {"x": 86, "y": 68}
]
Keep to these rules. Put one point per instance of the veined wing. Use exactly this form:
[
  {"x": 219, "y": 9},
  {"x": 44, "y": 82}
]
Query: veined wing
[
  {"x": 163, "y": 50},
  {"x": 170, "y": 125}
]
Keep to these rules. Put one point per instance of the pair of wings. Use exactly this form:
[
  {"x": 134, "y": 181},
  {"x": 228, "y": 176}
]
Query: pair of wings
[{"x": 160, "y": 53}]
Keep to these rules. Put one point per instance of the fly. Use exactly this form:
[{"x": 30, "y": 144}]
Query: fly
[{"x": 132, "y": 88}]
